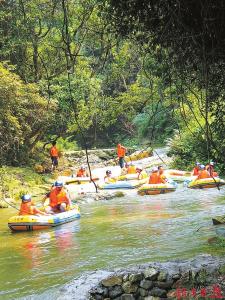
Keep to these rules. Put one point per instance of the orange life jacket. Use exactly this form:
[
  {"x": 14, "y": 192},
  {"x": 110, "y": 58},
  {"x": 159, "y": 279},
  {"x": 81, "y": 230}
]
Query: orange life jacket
[
  {"x": 54, "y": 151},
  {"x": 81, "y": 173},
  {"x": 121, "y": 151},
  {"x": 131, "y": 170},
  {"x": 154, "y": 178},
  {"x": 203, "y": 174},
  {"x": 195, "y": 171},
  {"x": 57, "y": 197},
  {"x": 161, "y": 178},
  {"x": 26, "y": 208}
]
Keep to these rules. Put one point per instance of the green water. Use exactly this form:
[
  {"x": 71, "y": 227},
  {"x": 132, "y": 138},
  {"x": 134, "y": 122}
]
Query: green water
[{"x": 110, "y": 234}]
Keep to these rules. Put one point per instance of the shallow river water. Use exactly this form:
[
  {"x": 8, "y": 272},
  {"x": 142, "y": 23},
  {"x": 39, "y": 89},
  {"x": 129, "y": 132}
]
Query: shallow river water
[{"x": 114, "y": 233}]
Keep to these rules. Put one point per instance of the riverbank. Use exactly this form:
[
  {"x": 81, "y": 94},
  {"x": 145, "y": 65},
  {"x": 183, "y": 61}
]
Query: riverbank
[{"x": 199, "y": 277}]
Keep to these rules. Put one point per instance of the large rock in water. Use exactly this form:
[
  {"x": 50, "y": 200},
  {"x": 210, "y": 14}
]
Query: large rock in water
[{"x": 218, "y": 220}]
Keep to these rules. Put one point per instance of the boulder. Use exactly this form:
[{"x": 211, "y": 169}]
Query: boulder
[
  {"x": 151, "y": 273},
  {"x": 129, "y": 287},
  {"x": 112, "y": 281}
]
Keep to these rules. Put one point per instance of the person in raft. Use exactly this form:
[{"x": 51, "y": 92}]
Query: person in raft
[
  {"x": 54, "y": 154},
  {"x": 210, "y": 168},
  {"x": 27, "y": 207},
  {"x": 154, "y": 176},
  {"x": 82, "y": 172},
  {"x": 162, "y": 177},
  {"x": 141, "y": 173},
  {"x": 121, "y": 152},
  {"x": 59, "y": 200},
  {"x": 196, "y": 169},
  {"x": 131, "y": 169},
  {"x": 203, "y": 173},
  {"x": 108, "y": 177}
]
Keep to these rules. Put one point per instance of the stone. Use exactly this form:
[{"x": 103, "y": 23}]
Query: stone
[
  {"x": 164, "y": 285},
  {"x": 135, "y": 277},
  {"x": 129, "y": 287},
  {"x": 118, "y": 194},
  {"x": 157, "y": 292},
  {"x": 151, "y": 298},
  {"x": 151, "y": 273},
  {"x": 146, "y": 284},
  {"x": 143, "y": 292},
  {"x": 125, "y": 277},
  {"x": 115, "y": 292},
  {"x": 99, "y": 290},
  {"x": 98, "y": 297},
  {"x": 127, "y": 297},
  {"x": 111, "y": 281},
  {"x": 176, "y": 276},
  {"x": 162, "y": 276}
]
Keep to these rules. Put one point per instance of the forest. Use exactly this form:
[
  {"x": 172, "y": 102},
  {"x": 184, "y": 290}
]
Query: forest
[{"x": 94, "y": 73}]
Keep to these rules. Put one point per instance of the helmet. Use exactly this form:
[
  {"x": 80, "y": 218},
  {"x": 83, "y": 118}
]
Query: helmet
[
  {"x": 58, "y": 184},
  {"x": 197, "y": 163},
  {"x": 154, "y": 169},
  {"x": 202, "y": 167},
  {"x": 26, "y": 198},
  {"x": 211, "y": 163},
  {"x": 108, "y": 172},
  {"x": 82, "y": 167}
]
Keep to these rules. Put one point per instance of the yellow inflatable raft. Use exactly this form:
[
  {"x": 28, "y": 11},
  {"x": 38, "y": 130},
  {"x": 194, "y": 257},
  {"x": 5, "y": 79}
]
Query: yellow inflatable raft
[
  {"x": 206, "y": 183},
  {"x": 35, "y": 222},
  {"x": 154, "y": 189},
  {"x": 76, "y": 180},
  {"x": 131, "y": 176},
  {"x": 128, "y": 184},
  {"x": 138, "y": 155}
]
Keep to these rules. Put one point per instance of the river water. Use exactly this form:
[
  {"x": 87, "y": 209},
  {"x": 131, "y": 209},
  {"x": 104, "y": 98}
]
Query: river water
[{"x": 114, "y": 233}]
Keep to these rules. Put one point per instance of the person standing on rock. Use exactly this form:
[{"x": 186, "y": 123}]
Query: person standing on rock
[
  {"x": 121, "y": 152},
  {"x": 54, "y": 154}
]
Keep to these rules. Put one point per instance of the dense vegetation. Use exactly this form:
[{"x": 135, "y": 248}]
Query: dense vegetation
[{"x": 98, "y": 72}]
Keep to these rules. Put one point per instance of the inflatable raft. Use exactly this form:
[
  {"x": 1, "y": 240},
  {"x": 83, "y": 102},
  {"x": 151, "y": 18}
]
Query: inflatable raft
[
  {"x": 80, "y": 180},
  {"x": 34, "y": 222},
  {"x": 129, "y": 184},
  {"x": 76, "y": 180},
  {"x": 206, "y": 183},
  {"x": 179, "y": 176},
  {"x": 155, "y": 189},
  {"x": 138, "y": 155},
  {"x": 130, "y": 177}
]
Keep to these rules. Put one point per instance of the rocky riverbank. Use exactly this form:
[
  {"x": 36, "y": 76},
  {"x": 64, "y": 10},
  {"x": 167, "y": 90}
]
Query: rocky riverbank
[{"x": 200, "y": 278}]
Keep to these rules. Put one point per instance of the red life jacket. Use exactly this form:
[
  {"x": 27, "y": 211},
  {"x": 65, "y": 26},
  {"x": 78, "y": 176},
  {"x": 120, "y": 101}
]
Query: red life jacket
[
  {"x": 203, "y": 174},
  {"x": 26, "y": 208},
  {"x": 81, "y": 173},
  {"x": 54, "y": 151},
  {"x": 154, "y": 178},
  {"x": 195, "y": 171},
  {"x": 121, "y": 151},
  {"x": 57, "y": 197}
]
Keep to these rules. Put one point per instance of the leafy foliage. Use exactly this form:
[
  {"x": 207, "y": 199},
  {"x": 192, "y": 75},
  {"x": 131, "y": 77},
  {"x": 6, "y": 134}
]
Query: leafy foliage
[{"x": 24, "y": 117}]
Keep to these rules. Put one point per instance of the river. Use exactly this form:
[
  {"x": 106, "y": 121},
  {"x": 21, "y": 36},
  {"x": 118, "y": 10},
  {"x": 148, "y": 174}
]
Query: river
[{"x": 113, "y": 233}]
